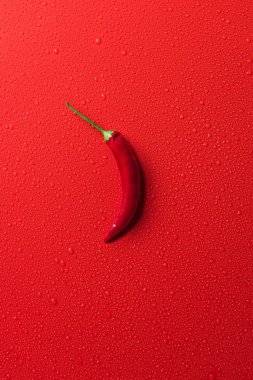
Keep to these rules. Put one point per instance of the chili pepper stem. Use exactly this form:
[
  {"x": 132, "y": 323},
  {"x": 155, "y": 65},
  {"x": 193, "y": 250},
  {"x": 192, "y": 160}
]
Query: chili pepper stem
[{"x": 107, "y": 134}]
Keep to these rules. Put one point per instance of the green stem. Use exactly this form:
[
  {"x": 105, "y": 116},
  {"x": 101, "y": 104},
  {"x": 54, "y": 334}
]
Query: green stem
[{"x": 107, "y": 134}]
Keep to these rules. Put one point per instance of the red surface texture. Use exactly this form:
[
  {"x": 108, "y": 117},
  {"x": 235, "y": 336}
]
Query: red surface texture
[{"x": 172, "y": 299}]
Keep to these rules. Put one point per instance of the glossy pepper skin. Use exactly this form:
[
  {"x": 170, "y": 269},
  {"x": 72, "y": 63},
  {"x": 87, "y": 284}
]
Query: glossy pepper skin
[
  {"x": 130, "y": 177},
  {"x": 131, "y": 183}
]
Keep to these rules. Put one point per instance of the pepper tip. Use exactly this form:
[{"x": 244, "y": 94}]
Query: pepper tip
[{"x": 109, "y": 237}]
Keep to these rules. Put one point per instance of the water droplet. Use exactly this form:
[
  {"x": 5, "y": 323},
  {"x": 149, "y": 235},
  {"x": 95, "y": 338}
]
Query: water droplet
[
  {"x": 70, "y": 251},
  {"x": 53, "y": 301},
  {"x": 56, "y": 51},
  {"x": 98, "y": 41}
]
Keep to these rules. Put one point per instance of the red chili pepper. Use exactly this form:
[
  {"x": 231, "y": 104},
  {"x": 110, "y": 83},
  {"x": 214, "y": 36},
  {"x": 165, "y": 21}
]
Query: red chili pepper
[{"x": 130, "y": 177}]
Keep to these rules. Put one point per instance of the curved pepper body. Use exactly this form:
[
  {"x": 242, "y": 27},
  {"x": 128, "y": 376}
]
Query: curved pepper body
[
  {"x": 130, "y": 176},
  {"x": 131, "y": 183}
]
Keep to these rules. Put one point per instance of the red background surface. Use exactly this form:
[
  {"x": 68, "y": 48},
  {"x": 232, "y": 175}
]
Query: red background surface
[{"x": 172, "y": 299}]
